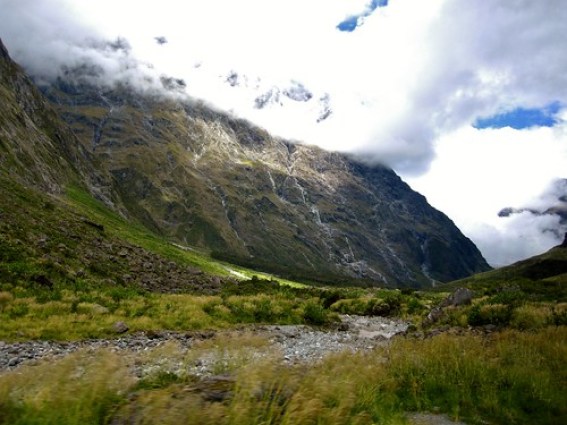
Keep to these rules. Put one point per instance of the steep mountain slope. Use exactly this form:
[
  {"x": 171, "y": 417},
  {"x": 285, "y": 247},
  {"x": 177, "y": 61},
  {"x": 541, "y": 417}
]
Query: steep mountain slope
[
  {"x": 207, "y": 179},
  {"x": 214, "y": 181},
  {"x": 52, "y": 231},
  {"x": 33, "y": 147}
]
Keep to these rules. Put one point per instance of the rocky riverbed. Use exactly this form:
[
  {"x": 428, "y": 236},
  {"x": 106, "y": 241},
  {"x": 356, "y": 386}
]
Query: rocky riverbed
[{"x": 295, "y": 343}]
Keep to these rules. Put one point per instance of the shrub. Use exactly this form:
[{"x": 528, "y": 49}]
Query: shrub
[
  {"x": 414, "y": 306},
  {"x": 356, "y": 306},
  {"x": 328, "y": 298},
  {"x": 513, "y": 297},
  {"x": 559, "y": 313},
  {"x": 377, "y": 307},
  {"x": 490, "y": 314},
  {"x": 390, "y": 305},
  {"x": 18, "y": 309},
  {"x": 315, "y": 314}
]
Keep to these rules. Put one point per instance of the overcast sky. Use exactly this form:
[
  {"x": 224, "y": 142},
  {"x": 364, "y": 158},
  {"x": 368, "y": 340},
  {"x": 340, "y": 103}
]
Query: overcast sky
[{"x": 466, "y": 100}]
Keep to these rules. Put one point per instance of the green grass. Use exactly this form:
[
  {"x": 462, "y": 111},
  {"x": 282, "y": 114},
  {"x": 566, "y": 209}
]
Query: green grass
[
  {"x": 512, "y": 377},
  {"x": 67, "y": 314},
  {"x": 79, "y": 310},
  {"x": 541, "y": 278}
]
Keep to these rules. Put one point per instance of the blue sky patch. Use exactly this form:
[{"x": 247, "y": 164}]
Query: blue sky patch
[
  {"x": 352, "y": 22},
  {"x": 520, "y": 118}
]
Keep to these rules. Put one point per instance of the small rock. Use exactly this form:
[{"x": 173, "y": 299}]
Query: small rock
[
  {"x": 120, "y": 327},
  {"x": 99, "y": 309},
  {"x": 14, "y": 361},
  {"x": 435, "y": 314}
]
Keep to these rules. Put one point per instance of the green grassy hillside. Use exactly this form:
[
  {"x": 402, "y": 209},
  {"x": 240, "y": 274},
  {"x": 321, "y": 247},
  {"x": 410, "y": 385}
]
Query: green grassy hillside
[{"x": 541, "y": 277}]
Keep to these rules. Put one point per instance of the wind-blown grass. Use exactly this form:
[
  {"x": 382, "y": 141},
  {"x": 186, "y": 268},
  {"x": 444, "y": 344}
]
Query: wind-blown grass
[{"x": 507, "y": 378}]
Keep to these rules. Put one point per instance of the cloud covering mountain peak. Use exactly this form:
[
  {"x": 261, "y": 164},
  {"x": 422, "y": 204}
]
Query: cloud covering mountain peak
[{"x": 416, "y": 76}]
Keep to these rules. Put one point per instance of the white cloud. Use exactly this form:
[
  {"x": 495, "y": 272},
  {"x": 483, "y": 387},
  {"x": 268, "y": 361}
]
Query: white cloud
[
  {"x": 477, "y": 173},
  {"x": 518, "y": 237},
  {"x": 404, "y": 86}
]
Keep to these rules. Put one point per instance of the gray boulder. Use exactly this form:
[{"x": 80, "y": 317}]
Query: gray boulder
[{"x": 461, "y": 296}]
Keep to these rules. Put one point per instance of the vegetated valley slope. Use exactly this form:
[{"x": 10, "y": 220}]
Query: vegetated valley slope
[
  {"x": 206, "y": 179},
  {"x": 542, "y": 276}
]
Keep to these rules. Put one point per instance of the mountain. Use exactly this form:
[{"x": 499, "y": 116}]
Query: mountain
[
  {"x": 542, "y": 276},
  {"x": 52, "y": 229},
  {"x": 34, "y": 143},
  {"x": 206, "y": 179}
]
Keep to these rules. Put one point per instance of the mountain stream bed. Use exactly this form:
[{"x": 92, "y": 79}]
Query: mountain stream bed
[{"x": 296, "y": 343}]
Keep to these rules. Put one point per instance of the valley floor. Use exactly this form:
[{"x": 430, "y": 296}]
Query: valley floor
[{"x": 355, "y": 372}]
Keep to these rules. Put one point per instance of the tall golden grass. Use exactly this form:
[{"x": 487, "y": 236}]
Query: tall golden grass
[{"x": 511, "y": 377}]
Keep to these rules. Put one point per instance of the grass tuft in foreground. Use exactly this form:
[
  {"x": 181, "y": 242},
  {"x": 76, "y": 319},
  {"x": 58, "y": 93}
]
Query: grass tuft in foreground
[{"x": 507, "y": 378}]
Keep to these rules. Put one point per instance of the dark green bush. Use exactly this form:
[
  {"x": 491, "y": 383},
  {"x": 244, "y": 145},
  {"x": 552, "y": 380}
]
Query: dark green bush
[
  {"x": 508, "y": 297},
  {"x": 414, "y": 306},
  {"x": 315, "y": 314},
  {"x": 490, "y": 314},
  {"x": 328, "y": 298}
]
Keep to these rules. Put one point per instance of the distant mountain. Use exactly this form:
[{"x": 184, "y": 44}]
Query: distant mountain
[
  {"x": 203, "y": 178},
  {"x": 556, "y": 197}
]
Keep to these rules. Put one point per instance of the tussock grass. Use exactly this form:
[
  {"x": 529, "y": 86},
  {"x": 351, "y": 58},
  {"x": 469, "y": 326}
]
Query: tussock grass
[
  {"x": 510, "y": 377},
  {"x": 79, "y": 389},
  {"x": 91, "y": 315},
  {"x": 65, "y": 314}
]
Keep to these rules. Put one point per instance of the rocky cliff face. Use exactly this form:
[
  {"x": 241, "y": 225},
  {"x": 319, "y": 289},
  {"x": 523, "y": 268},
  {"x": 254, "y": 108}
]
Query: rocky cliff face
[
  {"x": 37, "y": 148},
  {"x": 207, "y": 179}
]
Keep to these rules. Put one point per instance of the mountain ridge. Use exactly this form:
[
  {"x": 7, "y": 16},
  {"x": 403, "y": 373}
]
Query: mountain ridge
[{"x": 222, "y": 184}]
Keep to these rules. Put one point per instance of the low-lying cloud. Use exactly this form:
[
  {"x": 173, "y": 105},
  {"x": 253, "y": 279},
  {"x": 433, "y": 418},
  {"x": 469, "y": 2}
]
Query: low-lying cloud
[
  {"x": 413, "y": 71},
  {"x": 500, "y": 187},
  {"x": 414, "y": 74}
]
